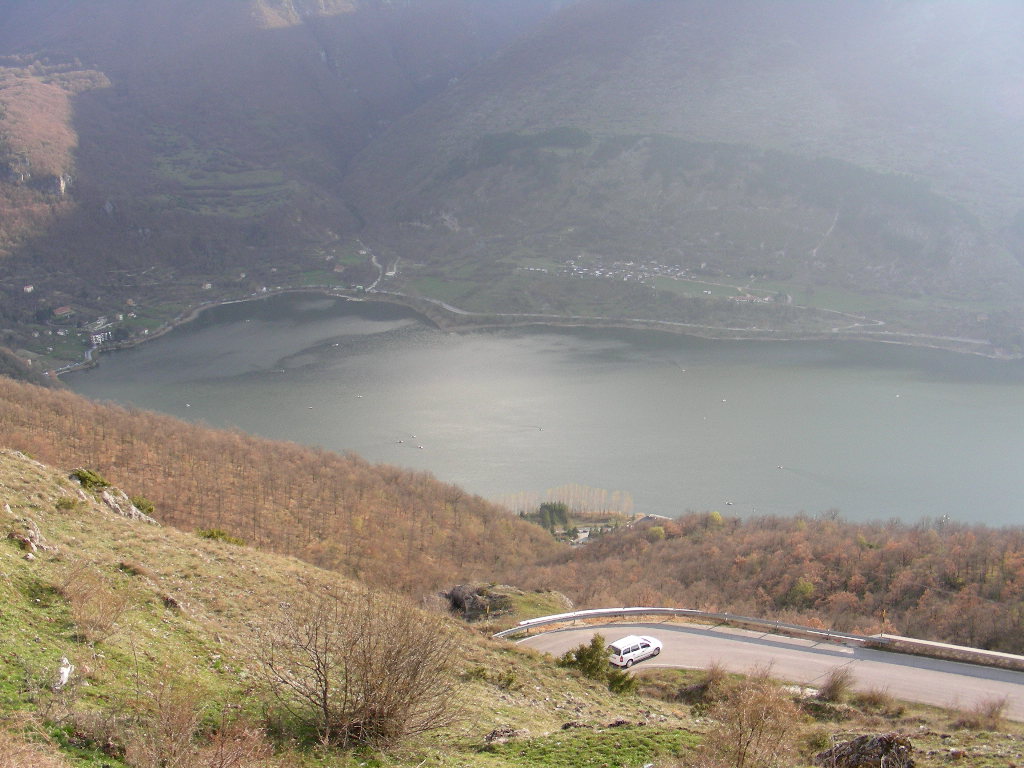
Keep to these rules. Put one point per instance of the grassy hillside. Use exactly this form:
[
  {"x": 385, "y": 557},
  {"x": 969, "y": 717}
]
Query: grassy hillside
[{"x": 162, "y": 624}]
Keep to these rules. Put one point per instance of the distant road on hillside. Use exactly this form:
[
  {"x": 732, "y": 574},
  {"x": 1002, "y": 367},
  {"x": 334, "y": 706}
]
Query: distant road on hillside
[{"x": 912, "y": 678}]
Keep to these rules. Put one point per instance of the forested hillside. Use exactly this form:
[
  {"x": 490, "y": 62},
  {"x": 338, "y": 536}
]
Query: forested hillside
[
  {"x": 939, "y": 580},
  {"x": 150, "y": 147},
  {"x": 382, "y": 525}
]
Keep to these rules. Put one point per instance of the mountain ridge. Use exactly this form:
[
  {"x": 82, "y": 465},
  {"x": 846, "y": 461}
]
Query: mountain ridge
[
  {"x": 543, "y": 67},
  {"x": 860, "y": 161}
]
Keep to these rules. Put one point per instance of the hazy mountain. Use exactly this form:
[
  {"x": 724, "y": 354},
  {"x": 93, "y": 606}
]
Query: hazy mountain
[
  {"x": 844, "y": 156},
  {"x": 201, "y": 135},
  {"x": 877, "y": 145}
]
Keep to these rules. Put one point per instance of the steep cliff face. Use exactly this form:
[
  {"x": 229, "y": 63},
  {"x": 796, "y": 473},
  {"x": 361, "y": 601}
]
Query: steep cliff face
[{"x": 38, "y": 142}]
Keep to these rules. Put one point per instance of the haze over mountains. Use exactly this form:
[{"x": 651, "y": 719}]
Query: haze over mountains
[{"x": 503, "y": 157}]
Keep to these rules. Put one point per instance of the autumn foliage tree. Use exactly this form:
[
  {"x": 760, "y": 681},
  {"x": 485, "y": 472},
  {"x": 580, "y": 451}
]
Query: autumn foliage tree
[{"x": 937, "y": 580}]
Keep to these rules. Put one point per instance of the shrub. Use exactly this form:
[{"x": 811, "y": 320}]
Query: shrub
[
  {"x": 817, "y": 740},
  {"x": 986, "y": 715},
  {"x": 103, "y": 730},
  {"x": 357, "y": 669},
  {"x": 476, "y": 672},
  {"x": 507, "y": 680},
  {"x": 837, "y": 685},
  {"x": 216, "y": 534},
  {"x": 166, "y": 732},
  {"x": 89, "y": 479},
  {"x": 754, "y": 726},
  {"x": 165, "y": 722},
  {"x": 144, "y": 505},
  {"x": 66, "y": 503},
  {"x": 655, "y": 533},
  {"x": 621, "y": 682},
  {"x": 708, "y": 689},
  {"x": 591, "y": 660},
  {"x": 876, "y": 699},
  {"x": 96, "y": 607},
  {"x": 235, "y": 744}
]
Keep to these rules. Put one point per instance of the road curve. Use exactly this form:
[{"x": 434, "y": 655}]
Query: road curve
[{"x": 911, "y": 678}]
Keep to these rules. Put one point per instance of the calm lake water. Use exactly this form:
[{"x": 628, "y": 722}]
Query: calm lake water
[{"x": 875, "y": 431}]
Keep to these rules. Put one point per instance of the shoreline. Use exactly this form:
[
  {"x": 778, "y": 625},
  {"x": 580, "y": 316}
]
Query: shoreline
[{"x": 445, "y": 318}]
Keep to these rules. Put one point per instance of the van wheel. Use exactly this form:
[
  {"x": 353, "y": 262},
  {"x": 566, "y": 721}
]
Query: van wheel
[
  {"x": 656, "y": 651},
  {"x": 629, "y": 663}
]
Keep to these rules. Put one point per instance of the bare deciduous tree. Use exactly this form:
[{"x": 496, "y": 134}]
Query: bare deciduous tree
[
  {"x": 359, "y": 668},
  {"x": 754, "y": 726},
  {"x": 96, "y": 605},
  {"x": 165, "y": 736}
]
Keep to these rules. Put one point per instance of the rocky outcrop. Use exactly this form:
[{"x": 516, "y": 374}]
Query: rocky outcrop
[
  {"x": 119, "y": 503},
  {"x": 505, "y": 733},
  {"x": 476, "y": 602},
  {"x": 28, "y": 536},
  {"x": 890, "y": 750}
]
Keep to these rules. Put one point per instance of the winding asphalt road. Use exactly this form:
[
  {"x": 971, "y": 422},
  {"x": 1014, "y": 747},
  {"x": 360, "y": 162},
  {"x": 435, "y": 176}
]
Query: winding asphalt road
[{"x": 911, "y": 678}]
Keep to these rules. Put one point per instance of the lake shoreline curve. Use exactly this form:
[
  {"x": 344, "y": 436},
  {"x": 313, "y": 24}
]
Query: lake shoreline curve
[{"x": 450, "y": 319}]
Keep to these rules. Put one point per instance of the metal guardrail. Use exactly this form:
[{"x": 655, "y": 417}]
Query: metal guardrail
[
  {"x": 892, "y": 643},
  {"x": 692, "y": 613}
]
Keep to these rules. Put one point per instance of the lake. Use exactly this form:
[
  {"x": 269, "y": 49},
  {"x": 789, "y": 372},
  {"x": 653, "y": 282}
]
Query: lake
[{"x": 873, "y": 430}]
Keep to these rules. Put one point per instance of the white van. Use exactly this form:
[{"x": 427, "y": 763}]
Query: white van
[{"x": 633, "y": 648}]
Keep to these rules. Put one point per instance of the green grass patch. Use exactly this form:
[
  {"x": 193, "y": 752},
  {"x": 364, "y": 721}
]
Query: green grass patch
[
  {"x": 318, "y": 277},
  {"x": 531, "y": 605},
  {"x": 693, "y": 287},
  {"x": 444, "y": 289},
  {"x": 626, "y": 746},
  {"x": 216, "y": 534}
]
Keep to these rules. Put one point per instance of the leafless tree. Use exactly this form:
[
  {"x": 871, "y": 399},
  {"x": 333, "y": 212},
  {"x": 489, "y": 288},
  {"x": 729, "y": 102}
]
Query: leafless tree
[
  {"x": 754, "y": 724},
  {"x": 359, "y": 667},
  {"x": 97, "y": 607},
  {"x": 165, "y": 735}
]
